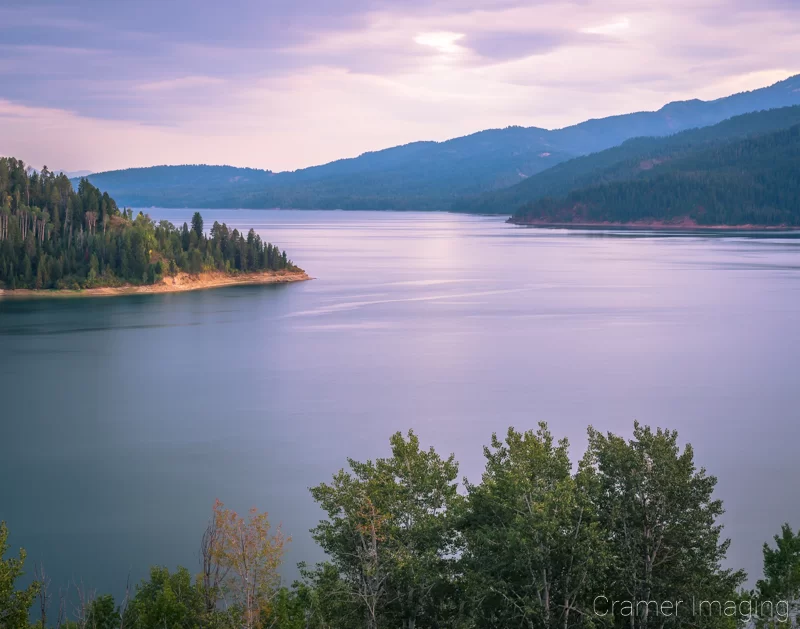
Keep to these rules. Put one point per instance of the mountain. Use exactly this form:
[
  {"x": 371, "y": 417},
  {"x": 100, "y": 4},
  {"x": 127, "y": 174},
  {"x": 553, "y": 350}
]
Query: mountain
[
  {"x": 625, "y": 161},
  {"x": 180, "y": 186},
  {"x": 745, "y": 181},
  {"x": 595, "y": 135},
  {"x": 425, "y": 175},
  {"x": 73, "y": 174},
  {"x": 420, "y": 175}
]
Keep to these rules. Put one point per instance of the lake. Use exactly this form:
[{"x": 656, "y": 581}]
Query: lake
[{"x": 124, "y": 418}]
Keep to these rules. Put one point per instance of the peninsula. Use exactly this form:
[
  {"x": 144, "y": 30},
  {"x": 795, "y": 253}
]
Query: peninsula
[{"x": 55, "y": 240}]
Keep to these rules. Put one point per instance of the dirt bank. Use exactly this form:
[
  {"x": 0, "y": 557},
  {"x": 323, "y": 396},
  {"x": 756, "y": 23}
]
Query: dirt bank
[
  {"x": 181, "y": 282},
  {"x": 683, "y": 224}
]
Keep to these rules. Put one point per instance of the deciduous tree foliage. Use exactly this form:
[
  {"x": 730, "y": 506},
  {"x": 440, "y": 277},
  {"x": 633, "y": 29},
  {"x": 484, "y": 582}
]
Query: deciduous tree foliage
[
  {"x": 661, "y": 521},
  {"x": 779, "y": 590},
  {"x": 250, "y": 555},
  {"x": 391, "y": 532},
  {"x": 165, "y": 600},
  {"x": 535, "y": 544},
  {"x": 535, "y": 551},
  {"x": 14, "y": 603},
  {"x": 54, "y": 237}
]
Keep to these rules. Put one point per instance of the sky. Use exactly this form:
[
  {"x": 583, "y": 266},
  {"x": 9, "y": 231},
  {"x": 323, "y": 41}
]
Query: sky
[{"x": 284, "y": 84}]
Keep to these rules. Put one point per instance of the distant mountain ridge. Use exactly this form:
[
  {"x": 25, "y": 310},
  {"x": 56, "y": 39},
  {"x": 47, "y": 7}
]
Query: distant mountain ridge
[
  {"x": 73, "y": 174},
  {"x": 626, "y": 161},
  {"x": 425, "y": 175},
  {"x": 178, "y": 186}
]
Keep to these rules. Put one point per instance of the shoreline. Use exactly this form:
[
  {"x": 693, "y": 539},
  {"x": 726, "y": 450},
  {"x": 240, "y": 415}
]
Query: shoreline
[
  {"x": 182, "y": 282},
  {"x": 686, "y": 225}
]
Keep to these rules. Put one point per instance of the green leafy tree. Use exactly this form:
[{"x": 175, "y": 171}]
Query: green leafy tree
[
  {"x": 166, "y": 600},
  {"x": 661, "y": 520},
  {"x": 535, "y": 552},
  {"x": 195, "y": 262},
  {"x": 103, "y": 613},
  {"x": 391, "y": 532},
  {"x": 778, "y": 593},
  {"x": 14, "y": 603}
]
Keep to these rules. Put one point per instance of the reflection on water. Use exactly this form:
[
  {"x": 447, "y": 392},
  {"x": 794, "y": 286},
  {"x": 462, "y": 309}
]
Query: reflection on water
[{"x": 124, "y": 418}]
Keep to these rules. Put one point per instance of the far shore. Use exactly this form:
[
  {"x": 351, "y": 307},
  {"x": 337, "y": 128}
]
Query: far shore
[
  {"x": 687, "y": 225},
  {"x": 180, "y": 283}
]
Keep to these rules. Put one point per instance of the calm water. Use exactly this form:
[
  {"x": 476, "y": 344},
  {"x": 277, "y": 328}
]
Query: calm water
[{"x": 123, "y": 419}]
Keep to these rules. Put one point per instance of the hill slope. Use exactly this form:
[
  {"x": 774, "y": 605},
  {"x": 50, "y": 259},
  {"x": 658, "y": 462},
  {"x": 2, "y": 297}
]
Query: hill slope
[
  {"x": 424, "y": 175},
  {"x": 421, "y": 175},
  {"x": 625, "y": 161},
  {"x": 750, "y": 181}
]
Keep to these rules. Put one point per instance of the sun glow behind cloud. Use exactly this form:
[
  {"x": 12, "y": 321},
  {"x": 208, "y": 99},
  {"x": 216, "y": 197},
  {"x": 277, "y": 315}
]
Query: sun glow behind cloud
[
  {"x": 442, "y": 41},
  {"x": 612, "y": 28}
]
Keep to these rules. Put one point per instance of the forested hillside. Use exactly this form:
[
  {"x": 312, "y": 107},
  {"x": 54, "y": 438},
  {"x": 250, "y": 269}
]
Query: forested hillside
[
  {"x": 52, "y": 236},
  {"x": 626, "y": 161},
  {"x": 752, "y": 181},
  {"x": 178, "y": 186},
  {"x": 424, "y": 175},
  {"x": 421, "y": 175}
]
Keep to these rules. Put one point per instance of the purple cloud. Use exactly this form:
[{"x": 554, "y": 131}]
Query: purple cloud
[{"x": 289, "y": 83}]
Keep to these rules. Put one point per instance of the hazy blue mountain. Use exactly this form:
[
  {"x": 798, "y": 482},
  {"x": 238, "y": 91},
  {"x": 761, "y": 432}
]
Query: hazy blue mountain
[
  {"x": 74, "y": 174},
  {"x": 596, "y": 135},
  {"x": 178, "y": 186},
  {"x": 424, "y": 175}
]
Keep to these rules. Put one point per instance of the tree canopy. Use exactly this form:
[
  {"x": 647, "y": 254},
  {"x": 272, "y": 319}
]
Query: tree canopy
[
  {"x": 52, "y": 236},
  {"x": 613, "y": 541}
]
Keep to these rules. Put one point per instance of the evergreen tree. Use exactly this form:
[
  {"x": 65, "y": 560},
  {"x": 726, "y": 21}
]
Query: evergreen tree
[
  {"x": 52, "y": 236},
  {"x": 197, "y": 224}
]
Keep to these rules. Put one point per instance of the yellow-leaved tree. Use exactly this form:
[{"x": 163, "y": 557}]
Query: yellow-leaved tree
[{"x": 249, "y": 556}]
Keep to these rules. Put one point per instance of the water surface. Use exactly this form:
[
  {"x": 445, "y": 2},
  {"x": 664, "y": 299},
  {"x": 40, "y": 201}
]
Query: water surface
[{"x": 124, "y": 418}]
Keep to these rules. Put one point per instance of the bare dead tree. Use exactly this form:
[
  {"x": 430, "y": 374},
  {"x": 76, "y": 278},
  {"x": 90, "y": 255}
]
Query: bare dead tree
[
  {"x": 85, "y": 598},
  {"x": 213, "y": 573},
  {"x": 22, "y": 219},
  {"x": 62, "y": 607},
  {"x": 45, "y": 216},
  {"x": 44, "y": 595},
  {"x": 125, "y": 601},
  {"x": 91, "y": 221}
]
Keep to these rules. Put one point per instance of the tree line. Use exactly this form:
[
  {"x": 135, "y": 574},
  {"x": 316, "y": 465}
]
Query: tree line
[
  {"x": 538, "y": 543},
  {"x": 53, "y": 236}
]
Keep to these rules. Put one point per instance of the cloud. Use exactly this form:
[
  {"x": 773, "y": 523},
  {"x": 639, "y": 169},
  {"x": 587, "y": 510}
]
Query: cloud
[
  {"x": 494, "y": 46},
  {"x": 611, "y": 28},
  {"x": 442, "y": 41},
  {"x": 180, "y": 83},
  {"x": 290, "y": 83}
]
